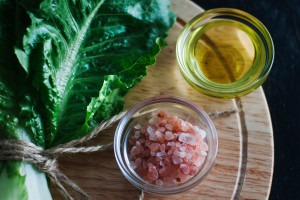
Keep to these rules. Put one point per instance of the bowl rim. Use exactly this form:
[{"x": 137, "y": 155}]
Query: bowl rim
[{"x": 139, "y": 182}]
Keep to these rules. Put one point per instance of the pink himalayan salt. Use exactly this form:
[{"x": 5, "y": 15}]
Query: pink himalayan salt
[
  {"x": 168, "y": 151},
  {"x": 187, "y": 138},
  {"x": 169, "y": 127},
  {"x": 137, "y": 134},
  {"x": 160, "y": 137},
  {"x": 170, "y": 143},
  {"x": 176, "y": 160},
  {"x": 160, "y": 154},
  {"x": 138, "y": 126},
  {"x": 133, "y": 165},
  {"x": 142, "y": 140},
  {"x": 161, "y": 129},
  {"x": 138, "y": 162},
  {"x": 184, "y": 126},
  {"x": 184, "y": 168},
  {"x": 162, "y": 147},
  {"x": 152, "y": 172},
  {"x": 168, "y": 181},
  {"x": 169, "y": 135},
  {"x": 159, "y": 182},
  {"x": 181, "y": 154},
  {"x": 134, "y": 151},
  {"x": 154, "y": 146}
]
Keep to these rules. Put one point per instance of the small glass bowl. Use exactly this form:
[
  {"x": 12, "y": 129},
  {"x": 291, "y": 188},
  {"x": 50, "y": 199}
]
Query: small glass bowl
[
  {"x": 259, "y": 69},
  {"x": 184, "y": 109}
]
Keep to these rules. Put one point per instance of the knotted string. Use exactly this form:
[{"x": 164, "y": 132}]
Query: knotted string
[{"x": 46, "y": 159}]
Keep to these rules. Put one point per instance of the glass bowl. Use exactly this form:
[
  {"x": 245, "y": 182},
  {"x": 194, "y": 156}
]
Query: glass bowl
[
  {"x": 184, "y": 109},
  {"x": 261, "y": 52}
]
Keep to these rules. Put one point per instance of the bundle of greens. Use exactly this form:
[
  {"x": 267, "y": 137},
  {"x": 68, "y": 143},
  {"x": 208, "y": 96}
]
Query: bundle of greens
[{"x": 65, "y": 66}]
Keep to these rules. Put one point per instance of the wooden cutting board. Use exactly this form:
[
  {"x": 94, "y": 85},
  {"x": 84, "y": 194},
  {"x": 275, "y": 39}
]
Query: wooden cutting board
[{"x": 244, "y": 164}]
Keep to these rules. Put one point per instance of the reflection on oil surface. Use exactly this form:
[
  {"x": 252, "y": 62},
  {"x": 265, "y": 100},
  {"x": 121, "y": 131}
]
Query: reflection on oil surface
[{"x": 224, "y": 53}]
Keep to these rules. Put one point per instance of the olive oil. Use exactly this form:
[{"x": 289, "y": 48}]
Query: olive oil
[{"x": 224, "y": 52}]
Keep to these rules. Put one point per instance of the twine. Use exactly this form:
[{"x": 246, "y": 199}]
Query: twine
[{"x": 46, "y": 159}]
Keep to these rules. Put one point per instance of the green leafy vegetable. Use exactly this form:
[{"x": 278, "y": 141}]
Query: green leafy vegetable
[
  {"x": 65, "y": 66},
  {"x": 14, "y": 183},
  {"x": 72, "y": 46}
]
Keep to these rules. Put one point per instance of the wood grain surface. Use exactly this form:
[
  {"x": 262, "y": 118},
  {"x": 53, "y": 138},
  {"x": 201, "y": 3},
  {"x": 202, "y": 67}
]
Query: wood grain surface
[{"x": 244, "y": 165}]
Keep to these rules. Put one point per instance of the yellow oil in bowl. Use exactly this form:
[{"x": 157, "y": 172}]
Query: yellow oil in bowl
[{"x": 225, "y": 57}]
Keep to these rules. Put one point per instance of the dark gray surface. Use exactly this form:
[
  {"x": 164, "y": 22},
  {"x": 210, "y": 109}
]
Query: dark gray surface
[{"x": 282, "y": 19}]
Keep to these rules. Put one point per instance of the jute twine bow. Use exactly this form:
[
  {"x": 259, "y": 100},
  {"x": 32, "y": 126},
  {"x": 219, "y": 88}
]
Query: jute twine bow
[{"x": 46, "y": 159}]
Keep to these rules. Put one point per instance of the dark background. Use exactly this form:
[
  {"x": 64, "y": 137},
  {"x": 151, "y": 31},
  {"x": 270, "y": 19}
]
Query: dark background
[{"x": 282, "y": 19}]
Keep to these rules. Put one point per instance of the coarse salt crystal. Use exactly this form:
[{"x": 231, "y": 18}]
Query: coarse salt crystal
[
  {"x": 147, "y": 143},
  {"x": 168, "y": 181},
  {"x": 187, "y": 138},
  {"x": 132, "y": 165},
  {"x": 152, "y": 172},
  {"x": 196, "y": 130},
  {"x": 176, "y": 160},
  {"x": 137, "y": 143},
  {"x": 203, "y": 153},
  {"x": 169, "y": 135},
  {"x": 162, "y": 122},
  {"x": 181, "y": 154},
  {"x": 138, "y": 126},
  {"x": 173, "y": 147},
  {"x": 137, "y": 134},
  {"x": 203, "y": 133},
  {"x": 204, "y": 147},
  {"x": 160, "y": 137},
  {"x": 189, "y": 156},
  {"x": 159, "y": 182},
  {"x": 167, "y": 161},
  {"x": 169, "y": 127},
  {"x": 142, "y": 140},
  {"x": 176, "y": 153},
  {"x": 150, "y": 130},
  {"x": 193, "y": 170},
  {"x": 162, "y": 114},
  {"x": 154, "y": 146},
  {"x": 162, "y": 147},
  {"x": 161, "y": 163},
  {"x": 158, "y": 158},
  {"x": 189, "y": 124},
  {"x": 185, "y": 169},
  {"x": 134, "y": 151},
  {"x": 152, "y": 136},
  {"x": 159, "y": 154},
  {"x": 199, "y": 161},
  {"x": 184, "y": 126},
  {"x": 182, "y": 148},
  {"x": 138, "y": 162},
  {"x": 170, "y": 143},
  {"x": 161, "y": 129}
]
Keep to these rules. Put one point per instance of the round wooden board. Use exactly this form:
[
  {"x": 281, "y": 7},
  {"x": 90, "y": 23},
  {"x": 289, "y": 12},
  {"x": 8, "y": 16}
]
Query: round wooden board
[{"x": 244, "y": 165}]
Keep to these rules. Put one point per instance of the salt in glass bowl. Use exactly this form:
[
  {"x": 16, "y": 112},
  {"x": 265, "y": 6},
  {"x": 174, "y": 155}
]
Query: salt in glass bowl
[{"x": 185, "y": 110}]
